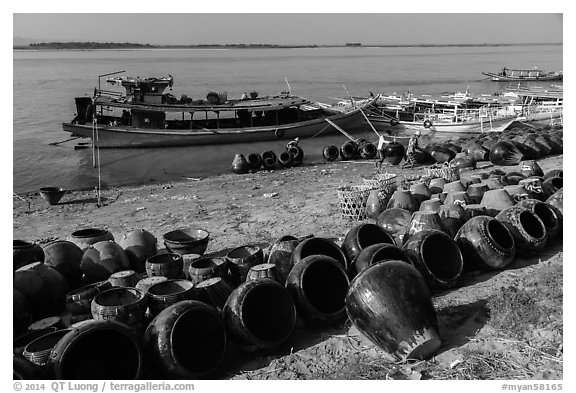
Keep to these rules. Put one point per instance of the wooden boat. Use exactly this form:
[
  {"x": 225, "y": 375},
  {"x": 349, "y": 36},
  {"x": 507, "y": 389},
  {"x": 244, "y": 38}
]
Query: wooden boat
[
  {"x": 509, "y": 75},
  {"x": 146, "y": 116},
  {"x": 540, "y": 106}
]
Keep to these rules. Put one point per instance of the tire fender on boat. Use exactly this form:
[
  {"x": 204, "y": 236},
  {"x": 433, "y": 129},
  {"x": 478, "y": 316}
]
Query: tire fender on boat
[
  {"x": 279, "y": 133},
  {"x": 427, "y": 124},
  {"x": 393, "y": 122}
]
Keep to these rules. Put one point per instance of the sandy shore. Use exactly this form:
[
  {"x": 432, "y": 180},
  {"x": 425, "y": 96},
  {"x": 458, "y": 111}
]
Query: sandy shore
[{"x": 254, "y": 208}]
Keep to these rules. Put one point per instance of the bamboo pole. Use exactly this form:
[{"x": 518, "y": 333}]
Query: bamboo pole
[{"x": 340, "y": 129}]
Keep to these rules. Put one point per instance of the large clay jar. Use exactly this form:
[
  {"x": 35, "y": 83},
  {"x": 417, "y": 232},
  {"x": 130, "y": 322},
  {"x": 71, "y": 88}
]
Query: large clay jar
[
  {"x": 204, "y": 268},
  {"x": 441, "y": 154},
  {"x": 505, "y": 153},
  {"x": 254, "y": 161},
  {"x": 21, "y": 312},
  {"x": 493, "y": 183},
  {"x": 431, "y": 205},
  {"x": 269, "y": 159},
  {"x": 214, "y": 292},
  {"x": 318, "y": 285},
  {"x": 395, "y": 222},
  {"x": 394, "y": 153},
  {"x": 38, "y": 350},
  {"x": 241, "y": 259},
  {"x": 485, "y": 244},
  {"x": 285, "y": 159},
  {"x": 423, "y": 221},
  {"x": 115, "y": 353},
  {"x": 65, "y": 257},
  {"x": 453, "y": 217},
  {"x": 474, "y": 210},
  {"x": 367, "y": 150},
  {"x": 390, "y": 303},
  {"x": 20, "y": 342},
  {"x": 533, "y": 186},
  {"x": 496, "y": 200},
  {"x": 476, "y": 192},
  {"x": 330, "y": 153},
  {"x": 169, "y": 265},
  {"x": 476, "y": 151},
  {"x": 319, "y": 246},
  {"x": 551, "y": 185},
  {"x": 420, "y": 192},
  {"x": 79, "y": 300},
  {"x": 124, "y": 305},
  {"x": 374, "y": 205},
  {"x": 463, "y": 162},
  {"x": 436, "y": 185},
  {"x": 263, "y": 270},
  {"x": 457, "y": 197},
  {"x": 403, "y": 199},
  {"x": 124, "y": 278},
  {"x": 102, "y": 259},
  {"x": 453, "y": 186},
  {"x": 187, "y": 241},
  {"x": 469, "y": 180},
  {"x": 260, "y": 315},
  {"x": 437, "y": 256},
  {"x": 362, "y": 236},
  {"x": 512, "y": 178},
  {"x": 349, "y": 150},
  {"x": 377, "y": 253},
  {"x": 530, "y": 168},
  {"x": 517, "y": 192},
  {"x": 550, "y": 217},
  {"x": 166, "y": 293},
  {"x": 24, "y": 253},
  {"x": 240, "y": 164},
  {"x": 187, "y": 340},
  {"x": 280, "y": 254},
  {"x": 527, "y": 229},
  {"x": 557, "y": 200},
  {"x": 139, "y": 245},
  {"x": 554, "y": 173},
  {"x": 85, "y": 237},
  {"x": 43, "y": 287}
]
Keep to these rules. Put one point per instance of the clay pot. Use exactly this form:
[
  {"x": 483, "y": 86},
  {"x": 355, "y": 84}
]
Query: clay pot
[
  {"x": 474, "y": 210},
  {"x": 423, "y": 221},
  {"x": 139, "y": 245},
  {"x": 349, "y": 150},
  {"x": 453, "y": 217},
  {"x": 463, "y": 162},
  {"x": 457, "y": 197},
  {"x": 147, "y": 282},
  {"x": 187, "y": 260},
  {"x": 297, "y": 155},
  {"x": 476, "y": 192},
  {"x": 187, "y": 241},
  {"x": 263, "y": 271},
  {"x": 420, "y": 192},
  {"x": 469, "y": 180},
  {"x": 214, "y": 292},
  {"x": 437, "y": 256},
  {"x": 505, "y": 153},
  {"x": 544, "y": 145},
  {"x": 374, "y": 205},
  {"x": 362, "y": 236},
  {"x": 169, "y": 265},
  {"x": 38, "y": 351},
  {"x": 557, "y": 200},
  {"x": 517, "y": 192},
  {"x": 25, "y": 253},
  {"x": 476, "y": 152},
  {"x": 431, "y": 205},
  {"x": 166, "y": 293},
  {"x": 52, "y": 195},
  {"x": 394, "y": 153},
  {"x": 78, "y": 301},
  {"x": 319, "y": 246},
  {"x": 441, "y": 154},
  {"x": 533, "y": 186},
  {"x": 377, "y": 253},
  {"x": 241, "y": 259},
  {"x": 125, "y": 278},
  {"x": 318, "y": 285},
  {"x": 26, "y": 338},
  {"x": 86, "y": 237},
  {"x": 485, "y": 244},
  {"x": 240, "y": 164},
  {"x": 204, "y": 268},
  {"x": 395, "y": 222},
  {"x": 512, "y": 178},
  {"x": 367, "y": 150},
  {"x": 65, "y": 257},
  {"x": 22, "y": 369},
  {"x": 330, "y": 153},
  {"x": 124, "y": 305},
  {"x": 493, "y": 183},
  {"x": 496, "y": 200},
  {"x": 112, "y": 347},
  {"x": 554, "y": 173},
  {"x": 527, "y": 229},
  {"x": 551, "y": 185},
  {"x": 260, "y": 315},
  {"x": 254, "y": 161},
  {"x": 550, "y": 217},
  {"x": 436, "y": 185},
  {"x": 269, "y": 160},
  {"x": 390, "y": 303},
  {"x": 530, "y": 168},
  {"x": 21, "y": 312},
  {"x": 43, "y": 287},
  {"x": 453, "y": 186},
  {"x": 102, "y": 259},
  {"x": 187, "y": 340},
  {"x": 280, "y": 254},
  {"x": 285, "y": 159},
  {"x": 54, "y": 322},
  {"x": 403, "y": 199}
]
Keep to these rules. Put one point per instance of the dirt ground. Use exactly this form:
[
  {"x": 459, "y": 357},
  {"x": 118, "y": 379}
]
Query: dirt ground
[{"x": 263, "y": 206}]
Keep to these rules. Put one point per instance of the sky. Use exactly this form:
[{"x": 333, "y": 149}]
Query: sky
[{"x": 292, "y": 29}]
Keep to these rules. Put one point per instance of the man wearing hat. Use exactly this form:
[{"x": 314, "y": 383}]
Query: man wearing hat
[{"x": 411, "y": 150}]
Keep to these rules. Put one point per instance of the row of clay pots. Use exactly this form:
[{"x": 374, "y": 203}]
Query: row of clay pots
[
  {"x": 350, "y": 150},
  {"x": 293, "y": 156}
]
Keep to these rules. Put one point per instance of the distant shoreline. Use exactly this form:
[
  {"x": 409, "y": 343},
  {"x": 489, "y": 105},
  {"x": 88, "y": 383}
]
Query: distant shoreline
[{"x": 112, "y": 45}]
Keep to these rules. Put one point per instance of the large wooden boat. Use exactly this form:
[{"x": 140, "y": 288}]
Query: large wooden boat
[
  {"x": 146, "y": 116},
  {"x": 541, "y": 107},
  {"x": 515, "y": 75}
]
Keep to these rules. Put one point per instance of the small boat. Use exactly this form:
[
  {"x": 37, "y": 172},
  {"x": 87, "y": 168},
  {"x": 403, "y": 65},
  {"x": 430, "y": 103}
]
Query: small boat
[
  {"x": 146, "y": 116},
  {"x": 509, "y": 75}
]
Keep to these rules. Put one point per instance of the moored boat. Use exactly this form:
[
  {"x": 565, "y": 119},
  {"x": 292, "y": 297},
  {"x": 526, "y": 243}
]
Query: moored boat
[
  {"x": 508, "y": 75},
  {"x": 146, "y": 116}
]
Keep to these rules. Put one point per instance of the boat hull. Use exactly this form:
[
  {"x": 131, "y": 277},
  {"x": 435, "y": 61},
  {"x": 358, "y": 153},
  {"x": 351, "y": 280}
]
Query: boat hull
[
  {"x": 128, "y": 137},
  {"x": 502, "y": 78}
]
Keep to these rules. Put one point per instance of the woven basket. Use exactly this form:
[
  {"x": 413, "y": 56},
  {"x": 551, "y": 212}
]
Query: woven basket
[
  {"x": 353, "y": 201},
  {"x": 447, "y": 172},
  {"x": 380, "y": 180}
]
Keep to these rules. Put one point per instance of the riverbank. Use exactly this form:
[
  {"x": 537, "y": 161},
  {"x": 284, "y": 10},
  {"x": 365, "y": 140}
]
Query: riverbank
[{"x": 261, "y": 207}]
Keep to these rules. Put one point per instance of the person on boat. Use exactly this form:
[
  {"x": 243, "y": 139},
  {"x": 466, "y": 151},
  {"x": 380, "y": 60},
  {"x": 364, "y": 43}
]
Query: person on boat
[
  {"x": 244, "y": 96},
  {"x": 504, "y": 71},
  {"x": 293, "y": 143},
  {"x": 412, "y": 149}
]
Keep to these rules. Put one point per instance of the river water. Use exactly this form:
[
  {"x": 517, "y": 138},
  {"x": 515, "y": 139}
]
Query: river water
[{"x": 46, "y": 82}]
